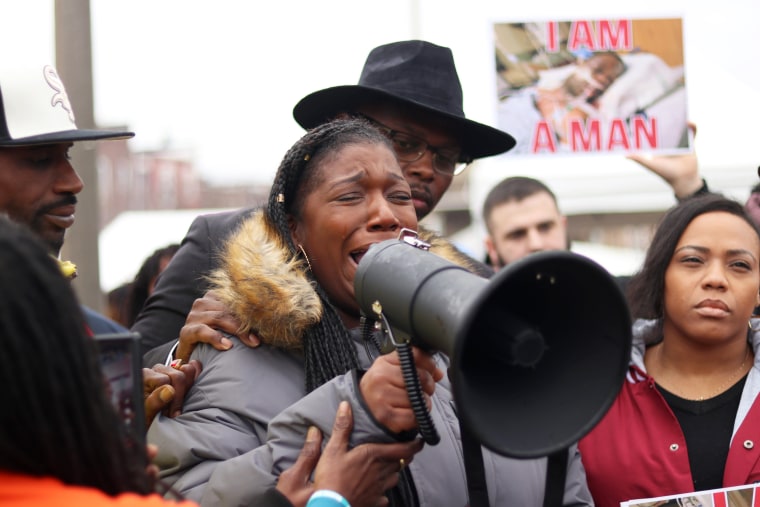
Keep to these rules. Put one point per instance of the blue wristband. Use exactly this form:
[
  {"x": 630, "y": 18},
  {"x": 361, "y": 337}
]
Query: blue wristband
[{"x": 327, "y": 498}]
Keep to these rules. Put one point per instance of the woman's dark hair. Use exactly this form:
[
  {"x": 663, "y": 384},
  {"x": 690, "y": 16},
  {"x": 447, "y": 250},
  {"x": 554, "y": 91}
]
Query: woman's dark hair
[
  {"x": 139, "y": 288},
  {"x": 328, "y": 348},
  {"x": 56, "y": 419},
  {"x": 646, "y": 290}
]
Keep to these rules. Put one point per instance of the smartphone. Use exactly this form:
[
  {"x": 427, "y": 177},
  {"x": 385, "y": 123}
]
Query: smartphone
[{"x": 120, "y": 357}]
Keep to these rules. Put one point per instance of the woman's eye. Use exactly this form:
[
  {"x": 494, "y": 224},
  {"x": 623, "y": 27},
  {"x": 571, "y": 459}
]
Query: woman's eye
[
  {"x": 742, "y": 265},
  {"x": 348, "y": 197}
]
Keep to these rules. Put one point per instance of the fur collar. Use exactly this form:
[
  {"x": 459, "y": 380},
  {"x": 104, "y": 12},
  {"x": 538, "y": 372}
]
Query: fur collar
[{"x": 267, "y": 289}]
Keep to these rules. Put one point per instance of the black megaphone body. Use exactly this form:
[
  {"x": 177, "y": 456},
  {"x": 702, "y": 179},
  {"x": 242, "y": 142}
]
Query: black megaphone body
[{"x": 538, "y": 352}]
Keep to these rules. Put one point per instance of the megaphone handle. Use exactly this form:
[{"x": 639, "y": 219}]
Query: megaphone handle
[{"x": 414, "y": 390}]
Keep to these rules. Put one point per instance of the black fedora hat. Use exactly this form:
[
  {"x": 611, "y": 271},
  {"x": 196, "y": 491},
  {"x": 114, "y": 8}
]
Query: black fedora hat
[{"x": 413, "y": 73}]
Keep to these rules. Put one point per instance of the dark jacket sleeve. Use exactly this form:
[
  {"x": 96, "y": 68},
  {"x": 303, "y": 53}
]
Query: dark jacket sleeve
[
  {"x": 157, "y": 355},
  {"x": 183, "y": 280}
]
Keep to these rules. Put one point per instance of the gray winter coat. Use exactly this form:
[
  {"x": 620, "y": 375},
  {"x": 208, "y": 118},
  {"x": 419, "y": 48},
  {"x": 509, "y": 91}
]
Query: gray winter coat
[{"x": 245, "y": 421}]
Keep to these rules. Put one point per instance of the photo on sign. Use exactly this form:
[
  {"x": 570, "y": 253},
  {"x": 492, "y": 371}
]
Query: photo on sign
[
  {"x": 592, "y": 86},
  {"x": 733, "y": 496}
]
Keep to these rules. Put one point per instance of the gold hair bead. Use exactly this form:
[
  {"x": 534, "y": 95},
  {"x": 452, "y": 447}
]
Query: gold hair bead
[
  {"x": 280, "y": 197},
  {"x": 306, "y": 157}
]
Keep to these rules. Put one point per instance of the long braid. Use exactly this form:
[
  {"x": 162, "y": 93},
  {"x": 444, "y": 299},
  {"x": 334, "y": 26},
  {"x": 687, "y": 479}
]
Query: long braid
[
  {"x": 328, "y": 348},
  {"x": 57, "y": 420},
  {"x": 327, "y": 357}
]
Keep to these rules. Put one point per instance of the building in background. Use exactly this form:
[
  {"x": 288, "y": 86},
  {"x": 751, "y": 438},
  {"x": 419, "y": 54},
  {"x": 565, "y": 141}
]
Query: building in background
[
  {"x": 161, "y": 180},
  {"x": 148, "y": 200}
]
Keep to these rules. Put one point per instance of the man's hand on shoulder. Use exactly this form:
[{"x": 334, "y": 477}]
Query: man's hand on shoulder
[{"x": 210, "y": 322}]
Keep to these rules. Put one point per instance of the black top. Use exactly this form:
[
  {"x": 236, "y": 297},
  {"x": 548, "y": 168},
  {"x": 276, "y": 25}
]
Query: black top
[{"x": 707, "y": 427}]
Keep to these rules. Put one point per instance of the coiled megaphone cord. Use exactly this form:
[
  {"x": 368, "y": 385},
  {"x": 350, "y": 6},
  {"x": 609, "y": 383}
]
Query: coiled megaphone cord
[
  {"x": 413, "y": 388},
  {"x": 367, "y": 338}
]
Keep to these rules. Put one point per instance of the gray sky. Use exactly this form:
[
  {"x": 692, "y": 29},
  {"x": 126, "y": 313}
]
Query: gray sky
[{"x": 220, "y": 78}]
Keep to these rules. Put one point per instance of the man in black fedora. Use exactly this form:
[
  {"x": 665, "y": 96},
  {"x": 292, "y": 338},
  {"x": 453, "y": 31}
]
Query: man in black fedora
[{"x": 411, "y": 91}]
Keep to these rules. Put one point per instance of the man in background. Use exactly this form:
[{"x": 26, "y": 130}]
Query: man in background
[
  {"x": 39, "y": 186},
  {"x": 522, "y": 216}
]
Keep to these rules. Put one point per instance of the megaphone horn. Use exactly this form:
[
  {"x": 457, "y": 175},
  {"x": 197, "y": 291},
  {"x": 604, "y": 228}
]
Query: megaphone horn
[{"x": 538, "y": 352}]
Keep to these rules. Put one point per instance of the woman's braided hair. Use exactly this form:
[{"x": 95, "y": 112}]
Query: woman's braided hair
[
  {"x": 328, "y": 348},
  {"x": 56, "y": 419}
]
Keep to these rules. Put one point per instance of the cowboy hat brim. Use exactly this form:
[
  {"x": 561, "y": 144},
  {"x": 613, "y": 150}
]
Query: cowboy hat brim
[{"x": 477, "y": 140}]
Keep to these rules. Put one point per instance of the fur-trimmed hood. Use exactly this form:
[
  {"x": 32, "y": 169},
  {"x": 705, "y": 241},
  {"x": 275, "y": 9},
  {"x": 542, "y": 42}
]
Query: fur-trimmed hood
[{"x": 266, "y": 287}]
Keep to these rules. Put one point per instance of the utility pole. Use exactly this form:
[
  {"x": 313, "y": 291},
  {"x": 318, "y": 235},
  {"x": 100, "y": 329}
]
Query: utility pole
[
  {"x": 73, "y": 55},
  {"x": 415, "y": 19}
]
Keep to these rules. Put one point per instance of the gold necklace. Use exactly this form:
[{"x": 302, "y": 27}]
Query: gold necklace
[{"x": 723, "y": 386}]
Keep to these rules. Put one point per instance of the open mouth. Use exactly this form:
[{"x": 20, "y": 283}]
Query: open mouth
[{"x": 357, "y": 255}]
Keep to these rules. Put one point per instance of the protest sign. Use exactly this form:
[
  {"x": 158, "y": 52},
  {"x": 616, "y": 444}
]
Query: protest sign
[
  {"x": 592, "y": 86},
  {"x": 734, "y": 496}
]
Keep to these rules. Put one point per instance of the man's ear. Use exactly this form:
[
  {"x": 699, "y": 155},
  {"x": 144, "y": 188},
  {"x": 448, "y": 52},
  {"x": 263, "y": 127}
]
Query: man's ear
[{"x": 493, "y": 255}]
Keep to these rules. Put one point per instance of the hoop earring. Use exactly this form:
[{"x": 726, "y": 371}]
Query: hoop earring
[{"x": 305, "y": 256}]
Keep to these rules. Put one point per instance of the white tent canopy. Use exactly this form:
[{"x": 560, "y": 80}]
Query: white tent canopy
[{"x": 133, "y": 235}]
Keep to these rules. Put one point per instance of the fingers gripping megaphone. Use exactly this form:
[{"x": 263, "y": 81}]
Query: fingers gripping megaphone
[{"x": 538, "y": 352}]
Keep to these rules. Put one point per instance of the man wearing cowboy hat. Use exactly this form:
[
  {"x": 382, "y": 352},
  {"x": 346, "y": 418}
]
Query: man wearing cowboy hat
[{"x": 411, "y": 91}]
